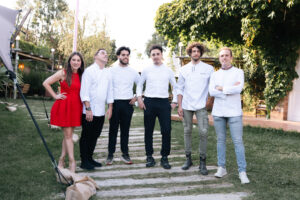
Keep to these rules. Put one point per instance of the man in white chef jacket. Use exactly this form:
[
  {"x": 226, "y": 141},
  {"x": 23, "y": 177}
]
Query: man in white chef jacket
[
  {"x": 96, "y": 91},
  {"x": 226, "y": 86},
  {"x": 192, "y": 91}
]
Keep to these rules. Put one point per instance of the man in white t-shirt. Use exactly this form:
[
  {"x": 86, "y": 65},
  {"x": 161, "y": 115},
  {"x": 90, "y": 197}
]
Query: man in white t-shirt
[
  {"x": 192, "y": 91},
  {"x": 156, "y": 104},
  {"x": 124, "y": 78},
  {"x": 226, "y": 86}
]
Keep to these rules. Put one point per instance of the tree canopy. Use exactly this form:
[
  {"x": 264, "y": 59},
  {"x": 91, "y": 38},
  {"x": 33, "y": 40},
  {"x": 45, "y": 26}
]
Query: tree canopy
[
  {"x": 267, "y": 30},
  {"x": 51, "y": 24},
  {"x": 156, "y": 39}
]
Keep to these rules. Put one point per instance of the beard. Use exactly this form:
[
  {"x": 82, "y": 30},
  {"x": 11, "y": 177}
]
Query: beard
[
  {"x": 123, "y": 63},
  {"x": 195, "y": 59}
]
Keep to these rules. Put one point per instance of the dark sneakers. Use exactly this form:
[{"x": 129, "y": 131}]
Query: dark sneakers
[
  {"x": 86, "y": 165},
  {"x": 95, "y": 163},
  {"x": 126, "y": 159},
  {"x": 165, "y": 163},
  {"x": 150, "y": 161}
]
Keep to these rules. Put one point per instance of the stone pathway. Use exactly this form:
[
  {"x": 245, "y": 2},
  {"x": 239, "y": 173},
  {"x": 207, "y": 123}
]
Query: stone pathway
[
  {"x": 136, "y": 182},
  {"x": 121, "y": 181}
]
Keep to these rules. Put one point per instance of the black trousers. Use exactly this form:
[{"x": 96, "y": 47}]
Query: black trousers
[
  {"x": 89, "y": 135},
  {"x": 121, "y": 116},
  {"x": 157, "y": 107}
]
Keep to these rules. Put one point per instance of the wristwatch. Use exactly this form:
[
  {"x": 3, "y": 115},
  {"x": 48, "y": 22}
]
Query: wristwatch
[{"x": 88, "y": 108}]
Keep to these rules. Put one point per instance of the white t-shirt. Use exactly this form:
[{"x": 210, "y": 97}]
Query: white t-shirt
[
  {"x": 123, "y": 80},
  {"x": 157, "y": 80}
]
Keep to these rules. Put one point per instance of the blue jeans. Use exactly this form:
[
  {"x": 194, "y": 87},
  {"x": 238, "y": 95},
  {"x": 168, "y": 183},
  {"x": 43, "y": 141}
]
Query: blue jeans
[{"x": 236, "y": 130}]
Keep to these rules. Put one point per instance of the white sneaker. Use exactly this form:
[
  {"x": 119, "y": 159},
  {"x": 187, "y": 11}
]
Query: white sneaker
[
  {"x": 221, "y": 172},
  {"x": 244, "y": 178}
]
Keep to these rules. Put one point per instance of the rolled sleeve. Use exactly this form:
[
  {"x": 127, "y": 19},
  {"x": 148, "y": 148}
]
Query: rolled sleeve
[
  {"x": 174, "y": 87},
  {"x": 84, "y": 89},
  {"x": 110, "y": 93},
  {"x": 180, "y": 84},
  {"x": 139, "y": 88}
]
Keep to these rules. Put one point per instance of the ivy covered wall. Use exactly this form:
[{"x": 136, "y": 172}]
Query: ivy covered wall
[{"x": 266, "y": 31}]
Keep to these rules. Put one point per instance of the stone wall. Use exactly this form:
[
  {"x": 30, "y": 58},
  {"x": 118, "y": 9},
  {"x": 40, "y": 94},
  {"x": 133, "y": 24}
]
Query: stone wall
[{"x": 281, "y": 110}]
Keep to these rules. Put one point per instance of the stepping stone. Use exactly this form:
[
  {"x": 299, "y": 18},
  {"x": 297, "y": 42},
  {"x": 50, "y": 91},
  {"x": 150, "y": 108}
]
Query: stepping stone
[
  {"x": 101, "y": 140},
  {"x": 148, "y": 181},
  {"x": 150, "y": 191},
  {"x": 137, "y": 149},
  {"x": 137, "y": 133},
  {"x": 131, "y": 145},
  {"x": 122, "y": 173},
  {"x": 123, "y": 166},
  {"x": 218, "y": 196},
  {"x": 136, "y": 137}
]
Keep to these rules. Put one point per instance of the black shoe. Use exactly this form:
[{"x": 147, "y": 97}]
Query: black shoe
[
  {"x": 86, "y": 165},
  {"x": 165, "y": 163},
  {"x": 188, "y": 163},
  {"x": 95, "y": 163},
  {"x": 202, "y": 166},
  {"x": 150, "y": 161}
]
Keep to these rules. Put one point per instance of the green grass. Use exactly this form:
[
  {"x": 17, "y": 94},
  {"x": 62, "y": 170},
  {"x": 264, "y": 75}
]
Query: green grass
[
  {"x": 273, "y": 158},
  {"x": 273, "y": 161},
  {"x": 26, "y": 170}
]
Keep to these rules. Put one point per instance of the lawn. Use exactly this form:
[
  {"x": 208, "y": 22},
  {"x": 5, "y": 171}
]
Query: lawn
[{"x": 273, "y": 157}]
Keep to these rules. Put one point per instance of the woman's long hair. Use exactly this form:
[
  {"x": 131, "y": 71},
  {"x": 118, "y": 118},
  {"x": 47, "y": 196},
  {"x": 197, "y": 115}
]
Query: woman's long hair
[{"x": 69, "y": 68}]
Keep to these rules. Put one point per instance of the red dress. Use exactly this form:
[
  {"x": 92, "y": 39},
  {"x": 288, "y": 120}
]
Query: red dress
[{"x": 67, "y": 112}]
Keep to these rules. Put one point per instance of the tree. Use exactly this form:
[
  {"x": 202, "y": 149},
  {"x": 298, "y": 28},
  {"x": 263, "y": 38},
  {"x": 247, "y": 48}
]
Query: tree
[
  {"x": 42, "y": 21},
  {"x": 51, "y": 24},
  {"x": 156, "y": 39},
  {"x": 267, "y": 30},
  {"x": 87, "y": 45}
]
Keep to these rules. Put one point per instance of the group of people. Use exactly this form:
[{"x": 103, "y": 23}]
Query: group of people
[{"x": 86, "y": 92}]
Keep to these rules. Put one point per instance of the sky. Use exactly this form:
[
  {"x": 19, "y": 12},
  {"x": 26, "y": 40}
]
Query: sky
[{"x": 129, "y": 22}]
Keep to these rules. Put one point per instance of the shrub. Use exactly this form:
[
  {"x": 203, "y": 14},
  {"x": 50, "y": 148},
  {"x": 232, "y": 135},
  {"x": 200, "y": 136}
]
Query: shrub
[{"x": 36, "y": 79}]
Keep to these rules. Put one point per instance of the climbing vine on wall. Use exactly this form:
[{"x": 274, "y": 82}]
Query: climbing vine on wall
[{"x": 267, "y": 30}]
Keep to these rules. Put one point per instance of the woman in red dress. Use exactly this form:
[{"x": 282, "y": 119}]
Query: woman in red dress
[{"x": 67, "y": 109}]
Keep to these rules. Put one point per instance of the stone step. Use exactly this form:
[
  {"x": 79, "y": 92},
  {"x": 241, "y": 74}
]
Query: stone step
[
  {"x": 143, "y": 171},
  {"x": 157, "y": 157},
  {"x": 161, "y": 190},
  {"x": 139, "y": 149},
  {"x": 101, "y": 140},
  {"x": 134, "y": 132},
  {"x": 149, "y": 181},
  {"x": 139, "y": 114},
  {"x": 142, "y": 144},
  {"x": 217, "y": 196},
  {"x": 116, "y": 166},
  {"x": 134, "y": 137}
]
